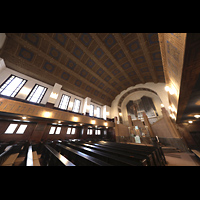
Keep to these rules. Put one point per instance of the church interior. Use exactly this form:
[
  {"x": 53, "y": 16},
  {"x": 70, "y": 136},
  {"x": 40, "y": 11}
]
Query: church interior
[{"x": 99, "y": 99}]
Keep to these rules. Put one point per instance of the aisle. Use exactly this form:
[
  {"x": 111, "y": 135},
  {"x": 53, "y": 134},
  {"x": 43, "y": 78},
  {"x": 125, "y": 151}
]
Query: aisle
[{"x": 181, "y": 159}]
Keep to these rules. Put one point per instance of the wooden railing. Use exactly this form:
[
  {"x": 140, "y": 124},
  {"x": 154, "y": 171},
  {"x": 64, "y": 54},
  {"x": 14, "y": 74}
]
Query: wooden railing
[{"x": 25, "y": 108}]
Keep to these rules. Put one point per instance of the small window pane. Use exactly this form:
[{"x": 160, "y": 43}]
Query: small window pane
[
  {"x": 76, "y": 106},
  {"x": 52, "y": 130},
  {"x": 21, "y": 129},
  {"x": 73, "y": 131},
  {"x": 64, "y": 102},
  {"x": 12, "y": 86},
  {"x": 90, "y": 131},
  {"x": 37, "y": 94},
  {"x": 98, "y": 112},
  {"x": 58, "y": 130},
  {"x": 91, "y": 110},
  {"x": 69, "y": 130},
  {"x": 11, "y": 128}
]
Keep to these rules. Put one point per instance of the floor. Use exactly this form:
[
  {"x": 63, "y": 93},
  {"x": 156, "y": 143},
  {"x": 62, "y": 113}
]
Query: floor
[{"x": 181, "y": 159}]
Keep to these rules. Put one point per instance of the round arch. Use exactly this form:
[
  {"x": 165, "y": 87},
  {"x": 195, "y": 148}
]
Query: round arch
[{"x": 156, "y": 89}]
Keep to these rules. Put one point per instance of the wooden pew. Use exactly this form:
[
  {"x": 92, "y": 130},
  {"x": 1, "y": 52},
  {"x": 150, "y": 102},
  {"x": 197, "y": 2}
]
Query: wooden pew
[
  {"x": 148, "y": 149},
  {"x": 131, "y": 153},
  {"x": 156, "y": 148},
  {"x": 80, "y": 158},
  {"x": 32, "y": 158},
  {"x": 8, "y": 157},
  {"x": 10, "y": 160},
  {"x": 111, "y": 159},
  {"x": 121, "y": 153},
  {"x": 127, "y": 147},
  {"x": 196, "y": 152},
  {"x": 52, "y": 158},
  {"x": 2, "y": 147},
  {"x": 150, "y": 156},
  {"x": 5, "y": 155},
  {"x": 36, "y": 161}
]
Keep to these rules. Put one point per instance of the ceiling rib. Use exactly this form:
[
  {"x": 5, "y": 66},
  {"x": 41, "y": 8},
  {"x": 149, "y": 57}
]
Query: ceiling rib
[
  {"x": 44, "y": 55},
  {"x": 147, "y": 56},
  {"x": 114, "y": 61},
  {"x": 71, "y": 56},
  {"x": 90, "y": 54},
  {"x": 124, "y": 48},
  {"x": 104, "y": 48}
]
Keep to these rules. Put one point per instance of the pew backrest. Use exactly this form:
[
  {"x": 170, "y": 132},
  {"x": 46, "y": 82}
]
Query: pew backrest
[{"x": 62, "y": 160}]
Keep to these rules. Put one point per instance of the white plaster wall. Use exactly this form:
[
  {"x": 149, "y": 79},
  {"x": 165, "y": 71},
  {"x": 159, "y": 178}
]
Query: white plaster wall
[
  {"x": 6, "y": 72},
  {"x": 157, "y": 87},
  {"x": 23, "y": 93}
]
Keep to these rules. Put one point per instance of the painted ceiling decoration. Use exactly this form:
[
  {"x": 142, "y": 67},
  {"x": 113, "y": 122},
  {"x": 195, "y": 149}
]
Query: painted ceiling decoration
[{"x": 95, "y": 65}]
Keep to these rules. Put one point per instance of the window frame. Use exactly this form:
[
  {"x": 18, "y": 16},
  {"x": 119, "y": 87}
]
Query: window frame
[
  {"x": 16, "y": 129},
  {"x": 73, "y": 132},
  {"x": 10, "y": 83},
  {"x": 55, "y": 130},
  {"x": 19, "y": 128},
  {"x": 97, "y": 131},
  {"x": 69, "y": 131},
  {"x": 92, "y": 109},
  {"x": 74, "y": 104},
  {"x": 61, "y": 100},
  {"x": 99, "y": 112},
  {"x": 34, "y": 93},
  {"x": 89, "y": 131}
]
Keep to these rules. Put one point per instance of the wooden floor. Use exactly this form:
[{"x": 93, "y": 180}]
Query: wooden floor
[{"x": 181, "y": 159}]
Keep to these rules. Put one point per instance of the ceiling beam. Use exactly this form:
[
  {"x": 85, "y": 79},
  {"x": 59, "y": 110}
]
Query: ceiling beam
[
  {"x": 72, "y": 57},
  {"x": 91, "y": 55},
  {"x": 57, "y": 63},
  {"x": 147, "y": 56},
  {"x": 104, "y": 48},
  {"x": 124, "y": 48}
]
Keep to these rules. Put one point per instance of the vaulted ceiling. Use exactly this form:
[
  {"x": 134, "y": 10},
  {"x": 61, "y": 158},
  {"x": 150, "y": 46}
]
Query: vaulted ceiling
[{"x": 97, "y": 65}]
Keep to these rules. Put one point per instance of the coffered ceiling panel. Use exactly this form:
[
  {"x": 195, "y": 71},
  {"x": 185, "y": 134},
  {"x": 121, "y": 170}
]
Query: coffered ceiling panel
[{"x": 97, "y": 65}]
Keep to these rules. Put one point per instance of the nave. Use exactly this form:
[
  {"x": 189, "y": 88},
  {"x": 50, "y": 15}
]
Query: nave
[{"x": 78, "y": 152}]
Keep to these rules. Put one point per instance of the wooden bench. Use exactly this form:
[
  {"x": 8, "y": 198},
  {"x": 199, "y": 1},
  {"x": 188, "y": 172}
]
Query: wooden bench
[
  {"x": 10, "y": 160},
  {"x": 122, "y": 153},
  {"x": 8, "y": 157},
  {"x": 111, "y": 159},
  {"x": 196, "y": 152},
  {"x": 52, "y": 158},
  {"x": 32, "y": 157},
  {"x": 80, "y": 158},
  {"x": 3, "y": 146},
  {"x": 36, "y": 161},
  {"x": 145, "y": 149},
  {"x": 156, "y": 151}
]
